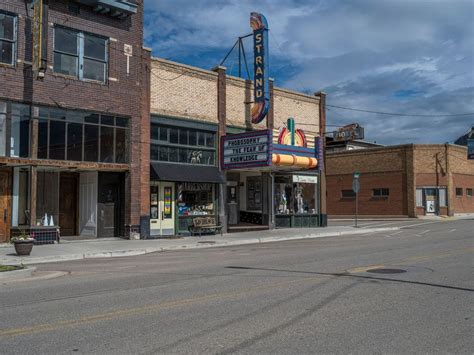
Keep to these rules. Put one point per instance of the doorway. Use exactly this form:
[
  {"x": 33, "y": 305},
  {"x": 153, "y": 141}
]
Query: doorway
[
  {"x": 4, "y": 206},
  {"x": 162, "y": 208},
  {"x": 68, "y": 203},
  {"x": 110, "y": 205}
]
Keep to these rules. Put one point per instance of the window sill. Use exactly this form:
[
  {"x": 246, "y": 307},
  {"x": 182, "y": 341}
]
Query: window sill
[
  {"x": 379, "y": 198},
  {"x": 7, "y": 66},
  {"x": 76, "y": 79}
]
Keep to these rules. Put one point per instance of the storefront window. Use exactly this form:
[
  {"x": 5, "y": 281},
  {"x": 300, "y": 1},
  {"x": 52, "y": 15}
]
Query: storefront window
[
  {"x": 294, "y": 197},
  {"x": 80, "y": 136},
  {"x": 20, "y": 197},
  {"x": 20, "y": 131},
  {"x": 195, "y": 199},
  {"x": 3, "y": 126},
  {"x": 47, "y": 201},
  {"x": 182, "y": 145}
]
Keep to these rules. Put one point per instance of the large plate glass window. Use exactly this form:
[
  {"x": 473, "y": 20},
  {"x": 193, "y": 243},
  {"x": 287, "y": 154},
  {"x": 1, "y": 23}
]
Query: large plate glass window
[
  {"x": 7, "y": 38},
  {"x": 182, "y": 145},
  {"x": 82, "y": 136},
  {"x": 80, "y": 54}
]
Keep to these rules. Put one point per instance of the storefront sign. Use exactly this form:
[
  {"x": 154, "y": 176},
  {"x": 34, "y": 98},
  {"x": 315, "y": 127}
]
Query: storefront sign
[
  {"x": 319, "y": 146},
  {"x": 259, "y": 24},
  {"x": 250, "y": 149},
  {"x": 470, "y": 148},
  {"x": 308, "y": 179},
  {"x": 195, "y": 186}
]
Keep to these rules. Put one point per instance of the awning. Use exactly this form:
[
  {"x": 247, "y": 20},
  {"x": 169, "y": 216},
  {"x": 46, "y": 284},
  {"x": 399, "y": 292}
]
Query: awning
[{"x": 185, "y": 173}]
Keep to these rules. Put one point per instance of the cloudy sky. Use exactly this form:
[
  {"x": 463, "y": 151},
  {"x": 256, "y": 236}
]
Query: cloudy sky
[{"x": 400, "y": 56}]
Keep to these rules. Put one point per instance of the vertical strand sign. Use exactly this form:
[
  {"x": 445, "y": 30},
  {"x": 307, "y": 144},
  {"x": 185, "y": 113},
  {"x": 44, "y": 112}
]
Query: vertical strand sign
[{"x": 261, "y": 92}]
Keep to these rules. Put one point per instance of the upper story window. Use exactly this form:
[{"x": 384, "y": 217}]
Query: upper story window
[
  {"x": 82, "y": 136},
  {"x": 80, "y": 54},
  {"x": 7, "y": 38},
  {"x": 183, "y": 145}
]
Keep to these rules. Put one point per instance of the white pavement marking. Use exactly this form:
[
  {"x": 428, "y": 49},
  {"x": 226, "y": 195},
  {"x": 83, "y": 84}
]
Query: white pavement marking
[
  {"x": 419, "y": 224},
  {"x": 452, "y": 230},
  {"x": 424, "y": 232},
  {"x": 383, "y": 224},
  {"x": 396, "y": 233}
]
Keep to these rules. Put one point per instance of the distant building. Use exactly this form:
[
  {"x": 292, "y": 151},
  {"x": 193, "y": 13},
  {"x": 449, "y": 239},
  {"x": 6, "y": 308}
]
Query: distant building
[
  {"x": 405, "y": 180},
  {"x": 336, "y": 146},
  {"x": 463, "y": 139}
]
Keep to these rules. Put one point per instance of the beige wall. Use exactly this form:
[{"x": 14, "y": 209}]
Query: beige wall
[{"x": 184, "y": 91}]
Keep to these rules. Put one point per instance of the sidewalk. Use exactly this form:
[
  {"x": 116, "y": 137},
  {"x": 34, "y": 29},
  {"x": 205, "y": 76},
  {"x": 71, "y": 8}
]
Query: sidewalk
[{"x": 97, "y": 248}]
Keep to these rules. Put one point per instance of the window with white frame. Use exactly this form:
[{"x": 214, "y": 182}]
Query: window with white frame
[
  {"x": 7, "y": 38},
  {"x": 80, "y": 54}
]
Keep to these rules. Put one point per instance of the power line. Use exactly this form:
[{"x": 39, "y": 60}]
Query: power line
[{"x": 400, "y": 114}]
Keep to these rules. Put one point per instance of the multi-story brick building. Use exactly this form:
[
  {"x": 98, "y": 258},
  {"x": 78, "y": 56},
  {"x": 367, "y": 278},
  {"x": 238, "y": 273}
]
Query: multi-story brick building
[
  {"x": 405, "y": 180},
  {"x": 74, "y": 112},
  {"x": 191, "y": 110}
]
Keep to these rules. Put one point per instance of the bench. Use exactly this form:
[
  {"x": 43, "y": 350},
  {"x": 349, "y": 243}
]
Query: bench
[{"x": 204, "y": 225}]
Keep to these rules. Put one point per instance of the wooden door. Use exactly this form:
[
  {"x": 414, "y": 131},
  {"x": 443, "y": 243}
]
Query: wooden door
[
  {"x": 68, "y": 204},
  {"x": 4, "y": 206}
]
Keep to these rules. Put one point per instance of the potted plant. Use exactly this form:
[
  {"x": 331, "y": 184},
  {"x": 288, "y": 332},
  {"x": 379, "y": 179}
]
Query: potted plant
[{"x": 23, "y": 243}]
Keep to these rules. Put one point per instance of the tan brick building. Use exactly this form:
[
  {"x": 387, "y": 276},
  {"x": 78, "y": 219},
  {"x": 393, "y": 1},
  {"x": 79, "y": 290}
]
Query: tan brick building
[
  {"x": 406, "y": 180},
  {"x": 191, "y": 110}
]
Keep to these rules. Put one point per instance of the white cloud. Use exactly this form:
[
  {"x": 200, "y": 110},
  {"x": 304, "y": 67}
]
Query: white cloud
[{"x": 411, "y": 56}]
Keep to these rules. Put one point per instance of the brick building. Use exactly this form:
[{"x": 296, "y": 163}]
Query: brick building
[
  {"x": 406, "y": 180},
  {"x": 191, "y": 110},
  {"x": 71, "y": 129}
]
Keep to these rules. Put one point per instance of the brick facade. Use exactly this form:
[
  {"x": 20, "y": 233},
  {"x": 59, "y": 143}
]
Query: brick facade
[
  {"x": 401, "y": 169},
  {"x": 122, "y": 94},
  {"x": 181, "y": 90}
]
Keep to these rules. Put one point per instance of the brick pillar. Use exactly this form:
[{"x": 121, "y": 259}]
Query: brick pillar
[
  {"x": 145, "y": 127},
  {"x": 322, "y": 170},
  {"x": 221, "y": 131},
  {"x": 270, "y": 116}
]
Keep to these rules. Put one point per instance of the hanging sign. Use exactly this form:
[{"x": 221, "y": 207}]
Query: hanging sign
[
  {"x": 308, "y": 179},
  {"x": 249, "y": 149},
  {"x": 40, "y": 26},
  {"x": 261, "y": 92},
  {"x": 349, "y": 132}
]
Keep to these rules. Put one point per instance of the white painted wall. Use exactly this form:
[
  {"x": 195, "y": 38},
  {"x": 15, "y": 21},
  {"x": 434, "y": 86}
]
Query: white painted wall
[{"x": 88, "y": 203}]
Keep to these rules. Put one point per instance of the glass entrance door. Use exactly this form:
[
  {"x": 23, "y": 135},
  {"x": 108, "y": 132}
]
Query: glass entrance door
[{"x": 162, "y": 208}]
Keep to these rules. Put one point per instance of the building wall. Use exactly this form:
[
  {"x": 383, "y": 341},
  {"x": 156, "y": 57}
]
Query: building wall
[
  {"x": 382, "y": 168},
  {"x": 122, "y": 94},
  {"x": 184, "y": 91},
  {"x": 402, "y": 169}
]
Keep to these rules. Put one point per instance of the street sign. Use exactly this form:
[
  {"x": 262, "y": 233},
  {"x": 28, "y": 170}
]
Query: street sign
[
  {"x": 356, "y": 185},
  {"x": 356, "y": 175}
]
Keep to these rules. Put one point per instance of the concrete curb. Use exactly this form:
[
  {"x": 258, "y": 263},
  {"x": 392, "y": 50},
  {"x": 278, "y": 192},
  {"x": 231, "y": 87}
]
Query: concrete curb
[
  {"x": 200, "y": 244},
  {"x": 17, "y": 274}
]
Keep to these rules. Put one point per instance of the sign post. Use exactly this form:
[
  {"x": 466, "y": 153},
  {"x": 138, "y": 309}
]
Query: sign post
[{"x": 356, "y": 188}]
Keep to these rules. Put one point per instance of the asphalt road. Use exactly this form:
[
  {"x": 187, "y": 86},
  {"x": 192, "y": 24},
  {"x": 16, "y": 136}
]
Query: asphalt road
[{"x": 307, "y": 296}]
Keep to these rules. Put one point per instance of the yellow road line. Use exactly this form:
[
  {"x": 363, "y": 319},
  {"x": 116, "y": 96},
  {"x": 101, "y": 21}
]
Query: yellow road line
[{"x": 40, "y": 328}]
